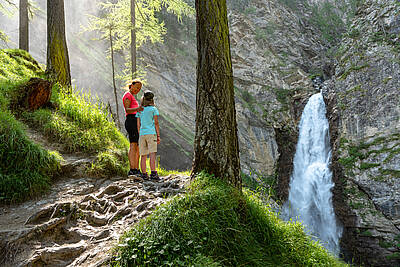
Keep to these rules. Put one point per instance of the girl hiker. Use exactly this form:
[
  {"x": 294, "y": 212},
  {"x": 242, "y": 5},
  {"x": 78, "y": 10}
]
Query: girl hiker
[
  {"x": 149, "y": 134},
  {"x": 131, "y": 108}
]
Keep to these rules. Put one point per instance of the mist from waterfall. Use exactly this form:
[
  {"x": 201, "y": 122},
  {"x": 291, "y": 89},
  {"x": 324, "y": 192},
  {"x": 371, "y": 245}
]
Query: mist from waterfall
[{"x": 310, "y": 196}]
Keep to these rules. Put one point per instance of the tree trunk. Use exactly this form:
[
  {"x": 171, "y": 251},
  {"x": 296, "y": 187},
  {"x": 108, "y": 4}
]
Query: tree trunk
[
  {"x": 133, "y": 39},
  {"x": 113, "y": 78},
  {"x": 216, "y": 146},
  {"x": 57, "y": 52},
  {"x": 23, "y": 25}
]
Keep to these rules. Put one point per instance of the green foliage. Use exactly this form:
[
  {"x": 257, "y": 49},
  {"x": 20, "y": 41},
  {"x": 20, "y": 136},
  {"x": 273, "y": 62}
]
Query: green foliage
[
  {"x": 17, "y": 65},
  {"x": 25, "y": 167},
  {"x": 366, "y": 233},
  {"x": 265, "y": 185},
  {"x": 109, "y": 163},
  {"x": 351, "y": 69},
  {"x": 327, "y": 19},
  {"x": 117, "y": 19},
  {"x": 394, "y": 256},
  {"x": 283, "y": 96},
  {"x": 239, "y": 5},
  {"x": 213, "y": 224},
  {"x": 331, "y": 18},
  {"x": 368, "y": 165},
  {"x": 7, "y": 7}
]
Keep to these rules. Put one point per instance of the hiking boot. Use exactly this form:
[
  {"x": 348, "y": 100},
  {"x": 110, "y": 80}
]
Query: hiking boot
[
  {"x": 131, "y": 172},
  {"x": 154, "y": 176},
  {"x": 134, "y": 172},
  {"x": 144, "y": 176}
]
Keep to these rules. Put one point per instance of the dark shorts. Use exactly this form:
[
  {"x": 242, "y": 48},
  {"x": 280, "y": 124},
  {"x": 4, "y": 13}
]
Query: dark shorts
[{"x": 131, "y": 128}]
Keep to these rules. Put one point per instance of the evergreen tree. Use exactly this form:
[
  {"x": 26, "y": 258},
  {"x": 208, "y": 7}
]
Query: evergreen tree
[
  {"x": 133, "y": 38},
  {"x": 6, "y": 8},
  {"x": 135, "y": 27},
  {"x": 216, "y": 146},
  {"x": 57, "y": 52},
  {"x": 23, "y": 25}
]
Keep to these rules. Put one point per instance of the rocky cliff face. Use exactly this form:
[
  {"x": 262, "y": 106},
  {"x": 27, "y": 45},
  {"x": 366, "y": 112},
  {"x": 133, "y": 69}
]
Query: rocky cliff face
[{"x": 364, "y": 111}]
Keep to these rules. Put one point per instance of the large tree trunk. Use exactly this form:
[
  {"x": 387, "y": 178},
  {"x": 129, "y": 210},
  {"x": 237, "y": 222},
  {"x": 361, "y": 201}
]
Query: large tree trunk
[
  {"x": 133, "y": 39},
  {"x": 113, "y": 78},
  {"x": 57, "y": 51},
  {"x": 216, "y": 147},
  {"x": 23, "y": 25}
]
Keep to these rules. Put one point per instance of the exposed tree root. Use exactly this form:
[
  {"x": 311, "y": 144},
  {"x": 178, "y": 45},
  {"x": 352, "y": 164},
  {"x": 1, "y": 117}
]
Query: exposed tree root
[{"x": 81, "y": 230}]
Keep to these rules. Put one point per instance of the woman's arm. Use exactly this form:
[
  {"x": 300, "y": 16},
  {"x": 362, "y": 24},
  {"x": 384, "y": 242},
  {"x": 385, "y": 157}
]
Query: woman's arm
[
  {"x": 157, "y": 128},
  {"x": 138, "y": 124},
  {"x": 127, "y": 103}
]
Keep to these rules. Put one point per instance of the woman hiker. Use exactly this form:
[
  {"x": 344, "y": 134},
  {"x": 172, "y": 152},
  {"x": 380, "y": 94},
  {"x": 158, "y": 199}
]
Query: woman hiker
[{"x": 131, "y": 108}]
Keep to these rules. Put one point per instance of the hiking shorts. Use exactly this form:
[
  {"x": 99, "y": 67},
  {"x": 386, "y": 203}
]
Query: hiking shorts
[
  {"x": 147, "y": 144},
  {"x": 131, "y": 128}
]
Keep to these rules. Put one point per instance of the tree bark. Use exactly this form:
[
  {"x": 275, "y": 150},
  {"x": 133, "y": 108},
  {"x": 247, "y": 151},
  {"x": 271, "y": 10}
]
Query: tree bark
[
  {"x": 57, "y": 52},
  {"x": 216, "y": 146},
  {"x": 133, "y": 39},
  {"x": 113, "y": 78},
  {"x": 23, "y": 25}
]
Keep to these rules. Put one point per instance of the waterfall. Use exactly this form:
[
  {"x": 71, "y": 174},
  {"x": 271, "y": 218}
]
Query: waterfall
[{"x": 310, "y": 196}]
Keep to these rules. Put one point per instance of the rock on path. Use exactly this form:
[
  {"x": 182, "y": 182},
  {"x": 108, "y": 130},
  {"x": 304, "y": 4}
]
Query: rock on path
[{"x": 79, "y": 221}]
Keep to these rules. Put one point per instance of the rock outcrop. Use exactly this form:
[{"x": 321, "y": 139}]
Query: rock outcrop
[{"x": 364, "y": 112}]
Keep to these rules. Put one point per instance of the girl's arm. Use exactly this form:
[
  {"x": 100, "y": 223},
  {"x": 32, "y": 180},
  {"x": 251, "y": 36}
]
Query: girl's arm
[
  {"x": 127, "y": 103},
  {"x": 138, "y": 124},
  {"x": 157, "y": 128}
]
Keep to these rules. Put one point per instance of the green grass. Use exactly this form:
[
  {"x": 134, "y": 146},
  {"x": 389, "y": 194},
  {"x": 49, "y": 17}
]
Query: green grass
[
  {"x": 213, "y": 224},
  {"x": 25, "y": 167}
]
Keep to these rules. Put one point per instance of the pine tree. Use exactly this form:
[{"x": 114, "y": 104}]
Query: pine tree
[
  {"x": 216, "y": 146},
  {"x": 23, "y": 25},
  {"x": 133, "y": 38},
  {"x": 57, "y": 52}
]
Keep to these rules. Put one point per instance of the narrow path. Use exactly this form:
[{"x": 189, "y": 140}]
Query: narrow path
[{"x": 79, "y": 221}]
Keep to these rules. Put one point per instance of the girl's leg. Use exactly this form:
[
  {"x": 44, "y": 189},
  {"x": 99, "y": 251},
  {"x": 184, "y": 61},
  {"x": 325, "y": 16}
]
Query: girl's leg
[
  {"x": 143, "y": 163},
  {"x": 153, "y": 161}
]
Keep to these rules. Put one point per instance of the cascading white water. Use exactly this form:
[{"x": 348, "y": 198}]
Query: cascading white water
[{"x": 310, "y": 196}]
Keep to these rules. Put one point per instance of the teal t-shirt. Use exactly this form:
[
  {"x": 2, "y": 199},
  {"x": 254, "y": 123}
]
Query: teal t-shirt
[{"x": 147, "y": 120}]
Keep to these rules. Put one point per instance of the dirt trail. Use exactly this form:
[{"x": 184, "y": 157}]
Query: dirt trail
[{"x": 80, "y": 219}]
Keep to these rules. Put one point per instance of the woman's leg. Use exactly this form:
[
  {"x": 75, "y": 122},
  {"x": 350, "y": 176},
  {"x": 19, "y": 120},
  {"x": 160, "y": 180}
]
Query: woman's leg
[
  {"x": 132, "y": 156},
  {"x": 135, "y": 156}
]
